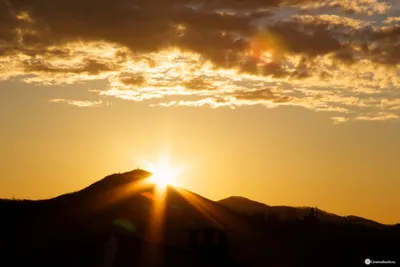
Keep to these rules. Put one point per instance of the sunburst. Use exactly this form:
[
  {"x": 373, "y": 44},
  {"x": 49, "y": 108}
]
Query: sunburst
[{"x": 163, "y": 173}]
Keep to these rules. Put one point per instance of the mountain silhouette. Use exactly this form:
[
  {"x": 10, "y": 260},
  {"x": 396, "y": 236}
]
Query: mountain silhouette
[
  {"x": 121, "y": 220},
  {"x": 245, "y": 205},
  {"x": 34, "y": 227}
]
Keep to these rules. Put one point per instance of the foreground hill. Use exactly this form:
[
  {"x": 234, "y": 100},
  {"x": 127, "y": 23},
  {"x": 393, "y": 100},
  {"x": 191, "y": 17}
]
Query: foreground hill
[
  {"x": 155, "y": 228},
  {"x": 245, "y": 205}
]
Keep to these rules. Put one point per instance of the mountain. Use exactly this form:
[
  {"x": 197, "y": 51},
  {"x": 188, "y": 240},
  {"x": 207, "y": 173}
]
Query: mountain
[
  {"x": 32, "y": 228},
  {"x": 247, "y": 206},
  {"x": 174, "y": 227}
]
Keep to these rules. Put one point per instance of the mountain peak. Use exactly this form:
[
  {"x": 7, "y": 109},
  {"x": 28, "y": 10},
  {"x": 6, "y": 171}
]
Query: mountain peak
[
  {"x": 137, "y": 173},
  {"x": 118, "y": 179}
]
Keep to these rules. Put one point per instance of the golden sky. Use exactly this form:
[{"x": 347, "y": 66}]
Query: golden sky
[{"x": 284, "y": 102}]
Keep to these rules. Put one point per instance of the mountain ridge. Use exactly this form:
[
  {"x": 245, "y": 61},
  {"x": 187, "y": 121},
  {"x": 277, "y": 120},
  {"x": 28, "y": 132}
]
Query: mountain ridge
[
  {"x": 115, "y": 181},
  {"x": 246, "y": 205}
]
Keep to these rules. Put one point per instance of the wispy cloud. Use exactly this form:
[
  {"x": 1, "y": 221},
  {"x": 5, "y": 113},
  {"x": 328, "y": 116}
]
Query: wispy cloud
[
  {"x": 391, "y": 20},
  {"x": 378, "y": 117},
  {"x": 78, "y": 103},
  {"x": 338, "y": 120}
]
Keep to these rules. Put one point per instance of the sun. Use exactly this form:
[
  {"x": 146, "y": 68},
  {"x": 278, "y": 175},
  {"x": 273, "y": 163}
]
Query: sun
[{"x": 163, "y": 173}]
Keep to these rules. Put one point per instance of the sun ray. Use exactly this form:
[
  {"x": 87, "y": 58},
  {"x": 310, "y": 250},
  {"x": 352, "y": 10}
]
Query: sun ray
[
  {"x": 200, "y": 206},
  {"x": 163, "y": 175},
  {"x": 155, "y": 233},
  {"x": 218, "y": 216}
]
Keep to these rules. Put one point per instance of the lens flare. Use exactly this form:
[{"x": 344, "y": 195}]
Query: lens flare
[{"x": 265, "y": 48}]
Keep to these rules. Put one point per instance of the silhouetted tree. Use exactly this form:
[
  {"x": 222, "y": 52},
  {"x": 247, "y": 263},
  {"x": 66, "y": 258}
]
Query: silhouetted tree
[{"x": 312, "y": 217}]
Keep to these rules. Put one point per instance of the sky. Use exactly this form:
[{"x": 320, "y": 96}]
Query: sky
[{"x": 287, "y": 102}]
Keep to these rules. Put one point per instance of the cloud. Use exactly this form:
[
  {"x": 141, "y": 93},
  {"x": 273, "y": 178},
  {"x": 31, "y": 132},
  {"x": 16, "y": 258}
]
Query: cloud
[
  {"x": 211, "y": 53},
  {"x": 391, "y": 20},
  {"x": 332, "y": 21},
  {"x": 262, "y": 95},
  {"x": 133, "y": 79},
  {"x": 78, "y": 103},
  {"x": 211, "y": 102},
  {"x": 190, "y": 25},
  {"x": 198, "y": 83},
  {"x": 90, "y": 67},
  {"x": 338, "y": 120},
  {"x": 378, "y": 117},
  {"x": 368, "y": 7}
]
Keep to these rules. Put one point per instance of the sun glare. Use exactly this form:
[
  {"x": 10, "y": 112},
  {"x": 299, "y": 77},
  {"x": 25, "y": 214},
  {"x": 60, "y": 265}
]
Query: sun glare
[{"x": 163, "y": 173}]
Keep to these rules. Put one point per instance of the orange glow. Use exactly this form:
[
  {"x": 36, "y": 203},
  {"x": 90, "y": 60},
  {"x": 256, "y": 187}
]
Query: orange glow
[{"x": 163, "y": 173}]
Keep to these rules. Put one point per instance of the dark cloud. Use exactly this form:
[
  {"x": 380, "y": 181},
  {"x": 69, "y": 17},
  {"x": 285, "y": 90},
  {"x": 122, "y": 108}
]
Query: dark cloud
[
  {"x": 262, "y": 95},
  {"x": 8, "y": 22},
  {"x": 133, "y": 79},
  {"x": 90, "y": 67},
  {"x": 345, "y": 56},
  {"x": 307, "y": 38},
  {"x": 386, "y": 33},
  {"x": 193, "y": 25},
  {"x": 382, "y": 44},
  {"x": 198, "y": 83}
]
